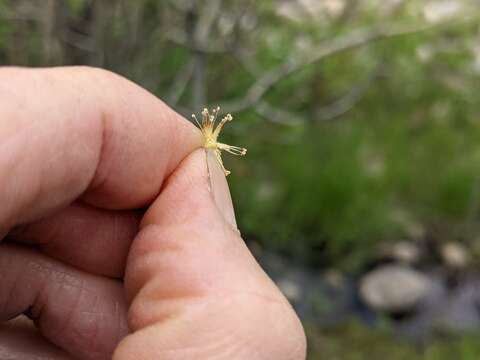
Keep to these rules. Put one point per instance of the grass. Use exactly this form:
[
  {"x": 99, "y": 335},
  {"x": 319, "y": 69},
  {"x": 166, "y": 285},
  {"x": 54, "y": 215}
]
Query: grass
[{"x": 357, "y": 342}]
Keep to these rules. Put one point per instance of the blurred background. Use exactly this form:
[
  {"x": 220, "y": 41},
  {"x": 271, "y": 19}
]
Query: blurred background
[{"x": 360, "y": 194}]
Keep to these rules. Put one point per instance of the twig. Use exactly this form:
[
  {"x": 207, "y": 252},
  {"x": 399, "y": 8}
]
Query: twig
[
  {"x": 206, "y": 20},
  {"x": 339, "y": 107},
  {"x": 179, "y": 84},
  {"x": 181, "y": 38},
  {"x": 248, "y": 63},
  {"x": 181, "y": 6},
  {"x": 329, "y": 112},
  {"x": 78, "y": 40},
  {"x": 346, "y": 102},
  {"x": 339, "y": 45},
  {"x": 276, "y": 115}
]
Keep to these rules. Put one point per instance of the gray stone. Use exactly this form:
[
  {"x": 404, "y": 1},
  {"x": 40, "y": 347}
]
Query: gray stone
[
  {"x": 405, "y": 251},
  {"x": 393, "y": 288},
  {"x": 455, "y": 255}
]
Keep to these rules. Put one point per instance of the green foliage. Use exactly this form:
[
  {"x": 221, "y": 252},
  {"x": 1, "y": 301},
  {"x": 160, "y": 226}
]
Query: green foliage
[
  {"x": 356, "y": 342},
  {"x": 330, "y": 190},
  {"x": 327, "y": 191},
  {"x": 411, "y": 145},
  {"x": 76, "y": 6}
]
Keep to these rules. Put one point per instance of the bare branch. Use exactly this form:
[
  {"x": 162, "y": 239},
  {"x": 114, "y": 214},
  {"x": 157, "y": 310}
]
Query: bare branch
[
  {"x": 78, "y": 40},
  {"x": 263, "y": 108},
  {"x": 339, "y": 107},
  {"x": 204, "y": 42},
  {"x": 346, "y": 102},
  {"x": 16, "y": 17},
  {"x": 102, "y": 20},
  {"x": 53, "y": 22},
  {"x": 206, "y": 20},
  {"x": 356, "y": 39},
  {"x": 329, "y": 112},
  {"x": 277, "y": 115},
  {"x": 181, "y": 38},
  {"x": 179, "y": 84},
  {"x": 246, "y": 61},
  {"x": 182, "y": 6}
]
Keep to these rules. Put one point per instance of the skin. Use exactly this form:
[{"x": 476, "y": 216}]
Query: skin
[{"x": 84, "y": 273}]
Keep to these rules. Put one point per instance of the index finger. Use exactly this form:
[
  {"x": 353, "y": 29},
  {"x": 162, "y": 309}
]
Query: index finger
[{"x": 68, "y": 133}]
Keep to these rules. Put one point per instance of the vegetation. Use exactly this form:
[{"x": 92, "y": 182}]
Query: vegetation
[
  {"x": 354, "y": 342},
  {"x": 344, "y": 152},
  {"x": 361, "y": 117}
]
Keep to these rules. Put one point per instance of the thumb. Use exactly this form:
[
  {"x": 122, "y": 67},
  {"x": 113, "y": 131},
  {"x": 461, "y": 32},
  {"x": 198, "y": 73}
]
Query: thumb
[{"x": 195, "y": 290}]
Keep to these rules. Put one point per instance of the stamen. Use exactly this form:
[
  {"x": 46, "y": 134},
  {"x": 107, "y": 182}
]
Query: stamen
[
  {"x": 235, "y": 150},
  {"x": 196, "y": 120},
  {"x": 211, "y": 133},
  {"x": 215, "y": 113},
  {"x": 220, "y": 126},
  {"x": 205, "y": 117}
]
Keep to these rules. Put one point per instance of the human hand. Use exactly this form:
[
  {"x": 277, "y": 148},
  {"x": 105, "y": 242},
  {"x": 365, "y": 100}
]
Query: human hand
[{"x": 80, "y": 150}]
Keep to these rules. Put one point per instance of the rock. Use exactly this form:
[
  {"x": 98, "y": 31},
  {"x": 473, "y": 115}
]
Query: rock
[
  {"x": 455, "y": 255},
  {"x": 393, "y": 288},
  {"x": 444, "y": 311},
  {"x": 406, "y": 252}
]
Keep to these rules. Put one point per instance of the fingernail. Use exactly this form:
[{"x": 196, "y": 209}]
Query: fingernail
[{"x": 219, "y": 189}]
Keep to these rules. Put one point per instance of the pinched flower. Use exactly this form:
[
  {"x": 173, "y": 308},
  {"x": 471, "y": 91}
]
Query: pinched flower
[{"x": 210, "y": 133}]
